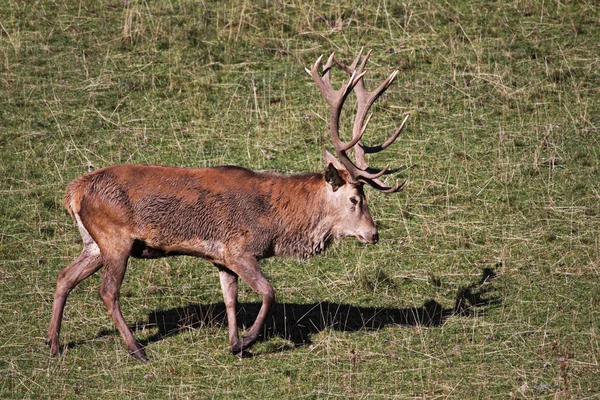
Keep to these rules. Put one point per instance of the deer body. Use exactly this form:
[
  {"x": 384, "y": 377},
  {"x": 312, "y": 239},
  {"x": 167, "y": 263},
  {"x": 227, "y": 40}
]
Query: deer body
[
  {"x": 230, "y": 216},
  {"x": 213, "y": 212}
]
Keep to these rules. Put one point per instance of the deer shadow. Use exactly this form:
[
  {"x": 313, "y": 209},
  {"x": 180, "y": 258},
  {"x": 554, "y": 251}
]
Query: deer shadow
[{"x": 298, "y": 322}]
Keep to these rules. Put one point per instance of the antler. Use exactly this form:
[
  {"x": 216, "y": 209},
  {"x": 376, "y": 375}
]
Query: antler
[{"x": 360, "y": 172}]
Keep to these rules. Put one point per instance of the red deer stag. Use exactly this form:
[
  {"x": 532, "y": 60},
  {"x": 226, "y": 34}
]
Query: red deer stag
[{"x": 230, "y": 216}]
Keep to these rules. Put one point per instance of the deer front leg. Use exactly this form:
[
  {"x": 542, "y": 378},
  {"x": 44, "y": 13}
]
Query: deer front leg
[
  {"x": 249, "y": 270},
  {"x": 230, "y": 291}
]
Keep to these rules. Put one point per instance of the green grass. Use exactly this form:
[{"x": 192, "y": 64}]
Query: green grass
[{"x": 486, "y": 281}]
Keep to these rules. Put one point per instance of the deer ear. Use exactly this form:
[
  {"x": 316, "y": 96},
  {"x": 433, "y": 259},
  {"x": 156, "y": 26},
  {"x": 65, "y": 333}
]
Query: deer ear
[{"x": 333, "y": 177}]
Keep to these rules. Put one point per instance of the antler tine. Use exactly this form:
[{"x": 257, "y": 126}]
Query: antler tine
[
  {"x": 390, "y": 140},
  {"x": 324, "y": 84},
  {"x": 374, "y": 95},
  {"x": 317, "y": 63},
  {"x": 388, "y": 189},
  {"x": 352, "y": 66},
  {"x": 315, "y": 66},
  {"x": 327, "y": 67},
  {"x": 364, "y": 62},
  {"x": 380, "y": 186}
]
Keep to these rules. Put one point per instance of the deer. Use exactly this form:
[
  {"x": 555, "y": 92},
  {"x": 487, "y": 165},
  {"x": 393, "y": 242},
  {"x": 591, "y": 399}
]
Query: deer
[{"x": 230, "y": 216}]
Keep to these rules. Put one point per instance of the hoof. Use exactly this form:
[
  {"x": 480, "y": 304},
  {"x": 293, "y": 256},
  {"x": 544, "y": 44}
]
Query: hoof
[
  {"x": 54, "y": 350},
  {"x": 239, "y": 351},
  {"x": 235, "y": 349},
  {"x": 139, "y": 354}
]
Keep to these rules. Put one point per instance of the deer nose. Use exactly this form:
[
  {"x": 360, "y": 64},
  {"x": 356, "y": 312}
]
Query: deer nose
[{"x": 375, "y": 238}]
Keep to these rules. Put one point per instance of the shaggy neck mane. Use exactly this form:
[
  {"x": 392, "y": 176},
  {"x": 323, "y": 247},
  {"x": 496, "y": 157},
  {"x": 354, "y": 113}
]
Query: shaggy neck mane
[{"x": 304, "y": 229}]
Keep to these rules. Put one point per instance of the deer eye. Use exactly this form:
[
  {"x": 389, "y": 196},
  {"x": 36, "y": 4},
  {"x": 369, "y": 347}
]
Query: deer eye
[{"x": 354, "y": 200}]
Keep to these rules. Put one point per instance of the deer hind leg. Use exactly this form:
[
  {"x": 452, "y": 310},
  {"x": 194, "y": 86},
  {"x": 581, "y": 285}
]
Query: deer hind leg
[
  {"x": 249, "y": 270},
  {"x": 230, "y": 291},
  {"x": 88, "y": 262}
]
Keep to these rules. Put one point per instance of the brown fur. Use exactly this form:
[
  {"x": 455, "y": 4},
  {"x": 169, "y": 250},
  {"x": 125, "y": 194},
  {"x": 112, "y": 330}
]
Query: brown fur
[{"x": 230, "y": 216}]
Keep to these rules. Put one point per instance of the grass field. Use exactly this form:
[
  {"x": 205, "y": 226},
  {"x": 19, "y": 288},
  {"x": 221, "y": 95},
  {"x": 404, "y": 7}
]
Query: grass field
[{"x": 486, "y": 283}]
